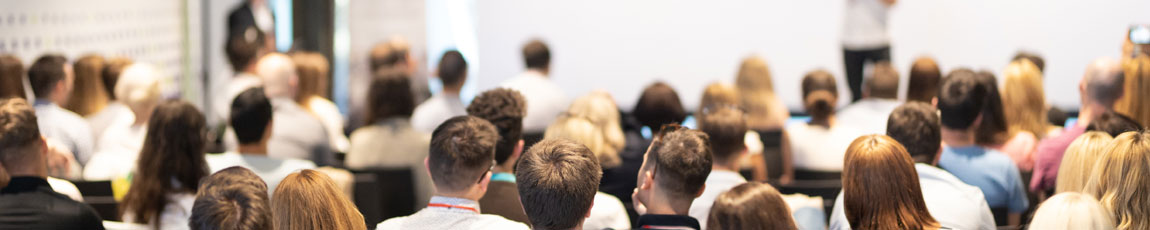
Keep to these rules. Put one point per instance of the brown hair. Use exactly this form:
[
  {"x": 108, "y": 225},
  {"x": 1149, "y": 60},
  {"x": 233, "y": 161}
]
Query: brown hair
[
  {"x": 880, "y": 186},
  {"x": 820, "y": 92},
  {"x": 751, "y": 205},
  {"x": 389, "y": 54},
  {"x": 727, "y": 128},
  {"x": 233, "y": 198},
  {"x": 88, "y": 96},
  {"x": 552, "y": 198},
  {"x": 1136, "y": 101},
  {"x": 245, "y": 48},
  {"x": 18, "y": 130},
  {"x": 45, "y": 73},
  {"x": 717, "y": 95},
  {"x": 111, "y": 74},
  {"x": 757, "y": 94},
  {"x": 536, "y": 55},
  {"x": 659, "y": 105},
  {"x": 452, "y": 69},
  {"x": 925, "y": 78},
  {"x": 884, "y": 82},
  {"x": 916, "y": 126},
  {"x": 171, "y": 161},
  {"x": 461, "y": 153},
  {"x": 389, "y": 96},
  {"x": 504, "y": 108},
  {"x": 682, "y": 160},
  {"x": 308, "y": 199},
  {"x": 11, "y": 77},
  {"x": 1119, "y": 180},
  {"x": 312, "y": 70}
]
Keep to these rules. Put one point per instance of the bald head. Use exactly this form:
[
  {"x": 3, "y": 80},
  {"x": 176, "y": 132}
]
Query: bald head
[
  {"x": 278, "y": 73},
  {"x": 1102, "y": 83}
]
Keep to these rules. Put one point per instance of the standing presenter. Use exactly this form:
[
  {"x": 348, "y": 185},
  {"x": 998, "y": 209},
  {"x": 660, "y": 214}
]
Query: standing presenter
[{"x": 865, "y": 39}]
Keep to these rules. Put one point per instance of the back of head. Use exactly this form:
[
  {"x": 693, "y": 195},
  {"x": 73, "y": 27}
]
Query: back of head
[
  {"x": 659, "y": 105},
  {"x": 251, "y": 114},
  {"x": 1079, "y": 161},
  {"x": 820, "y": 92},
  {"x": 1071, "y": 211},
  {"x": 45, "y": 73},
  {"x": 312, "y": 69},
  {"x": 389, "y": 54},
  {"x": 245, "y": 48},
  {"x": 1119, "y": 180},
  {"x": 233, "y": 198},
  {"x": 19, "y": 133},
  {"x": 896, "y": 204},
  {"x": 1114, "y": 124},
  {"x": 389, "y": 95},
  {"x": 462, "y": 150},
  {"x": 585, "y": 132},
  {"x": 88, "y": 96},
  {"x": 1022, "y": 93},
  {"x": 883, "y": 83},
  {"x": 139, "y": 87},
  {"x": 755, "y": 88},
  {"x": 536, "y": 55},
  {"x": 278, "y": 73},
  {"x": 916, "y": 126},
  {"x": 604, "y": 135},
  {"x": 11, "y": 77},
  {"x": 1032, "y": 57},
  {"x": 993, "y": 129},
  {"x": 111, "y": 74},
  {"x": 552, "y": 198},
  {"x": 751, "y": 205},
  {"x": 718, "y": 95},
  {"x": 308, "y": 199},
  {"x": 171, "y": 160},
  {"x": 727, "y": 128},
  {"x": 452, "y": 69},
  {"x": 1103, "y": 82},
  {"x": 504, "y": 108},
  {"x": 925, "y": 77},
  {"x": 1136, "y": 101},
  {"x": 682, "y": 161},
  {"x": 961, "y": 99}
]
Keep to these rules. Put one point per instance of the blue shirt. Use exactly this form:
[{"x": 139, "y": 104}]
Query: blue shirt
[{"x": 991, "y": 171}]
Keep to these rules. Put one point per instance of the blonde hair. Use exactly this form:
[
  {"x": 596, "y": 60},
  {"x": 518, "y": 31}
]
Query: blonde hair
[
  {"x": 88, "y": 94},
  {"x": 312, "y": 69},
  {"x": 139, "y": 89},
  {"x": 309, "y": 199},
  {"x": 717, "y": 94},
  {"x": 592, "y": 120},
  {"x": 1071, "y": 210},
  {"x": 1119, "y": 180},
  {"x": 1137, "y": 91},
  {"x": 1023, "y": 95},
  {"x": 1083, "y": 153},
  {"x": 757, "y": 95}
]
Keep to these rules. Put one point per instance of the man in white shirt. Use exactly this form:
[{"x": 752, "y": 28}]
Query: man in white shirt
[
  {"x": 545, "y": 99},
  {"x": 460, "y": 161},
  {"x": 51, "y": 80},
  {"x": 453, "y": 73},
  {"x": 297, "y": 133},
  {"x": 252, "y": 122},
  {"x": 880, "y": 97},
  {"x": 243, "y": 50},
  {"x": 551, "y": 198},
  {"x": 864, "y": 39},
  {"x": 727, "y": 128},
  {"x": 951, "y": 202}
]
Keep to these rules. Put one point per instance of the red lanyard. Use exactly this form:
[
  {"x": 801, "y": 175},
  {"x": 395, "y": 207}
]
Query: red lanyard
[{"x": 441, "y": 205}]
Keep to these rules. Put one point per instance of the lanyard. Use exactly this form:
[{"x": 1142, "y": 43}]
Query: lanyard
[{"x": 441, "y": 205}]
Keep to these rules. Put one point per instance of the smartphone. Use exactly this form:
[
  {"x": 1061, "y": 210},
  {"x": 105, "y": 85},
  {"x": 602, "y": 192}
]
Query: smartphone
[{"x": 1140, "y": 34}]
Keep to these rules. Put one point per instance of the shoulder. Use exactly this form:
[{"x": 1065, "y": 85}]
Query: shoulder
[
  {"x": 393, "y": 223},
  {"x": 488, "y": 221},
  {"x": 298, "y": 164}
]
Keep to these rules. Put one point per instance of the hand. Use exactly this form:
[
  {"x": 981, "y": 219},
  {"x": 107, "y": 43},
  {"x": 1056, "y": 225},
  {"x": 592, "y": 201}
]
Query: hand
[
  {"x": 60, "y": 160},
  {"x": 639, "y": 207},
  {"x": 786, "y": 179}
]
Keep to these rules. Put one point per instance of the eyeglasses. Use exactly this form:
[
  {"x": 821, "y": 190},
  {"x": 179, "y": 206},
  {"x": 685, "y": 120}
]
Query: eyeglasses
[{"x": 490, "y": 169}]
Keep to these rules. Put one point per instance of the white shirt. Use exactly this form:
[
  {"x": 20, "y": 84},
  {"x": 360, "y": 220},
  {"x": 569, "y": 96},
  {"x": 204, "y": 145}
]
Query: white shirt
[
  {"x": 952, "y": 203},
  {"x": 864, "y": 25},
  {"x": 67, "y": 128},
  {"x": 545, "y": 99},
  {"x": 328, "y": 114},
  {"x": 114, "y": 113},
  {"x": 271, "y": 170},
  {"x": 818, "y": 148},
  {"x": 116, "y": 155},
  {"x": 65, "y": 187},
  {"x": 438, "y": 218},
  {"x": 718, "y": 182},
  {"x": 392, "y": 143},
  {"x": 868, "y": 116},
  {"x": 235, "y": 86},
  {"x": 436, "y": 110},
  {"x": 607, "y": 212},
  {"x": 175, "y": 214}
]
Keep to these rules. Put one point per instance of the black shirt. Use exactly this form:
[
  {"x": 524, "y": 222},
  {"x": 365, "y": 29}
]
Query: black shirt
[
  {"x": 651, "y": 221},
  {"x": 30, "y": 203}
]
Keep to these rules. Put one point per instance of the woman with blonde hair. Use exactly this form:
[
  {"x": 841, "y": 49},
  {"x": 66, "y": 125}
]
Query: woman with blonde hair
[
  {"x": 88, "y": 95},
  {"x": 1071, "y": 211},
  {"x": 308, "y": 199},
  {"x": 139, "y": 88},
  {"x": 1119, "y": 180},
  {"x": 752, "y": 205},
  {"x": 1026, "y": 119},
  {"x": 757, "y": 96},
  {"x": 1135, "y": 102},
  {"x": 312, "y": 69},
  {"x": 881, "y": 188},
  {"x": 1078, "y": 161}
]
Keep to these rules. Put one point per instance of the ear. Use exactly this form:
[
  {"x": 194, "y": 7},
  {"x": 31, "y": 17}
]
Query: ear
[
  {"x": 44, "y": 151},
  {"x": 700, "y": 192},
  {"x": 518, "y": 150},
  {"x": 937, "y": 155},
  {"x": 484, "y": 182},
  {"x": 648, "y": 183},
  {"x": 934, "y": 102}
]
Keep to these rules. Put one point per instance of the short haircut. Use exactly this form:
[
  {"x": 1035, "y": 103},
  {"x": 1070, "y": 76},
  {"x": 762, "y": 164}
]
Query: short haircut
[
  {"x": 389, "y": 54},
  {"x": 1032, "y": 57},
  {"x": 243, "y": 49},
  {"x": 536, "y": 55},
  {"x": 883, "y": 83},
  {"x": 552, "y": 197},
  {"x": 18, "y": 130},
  {"x": 11, "y": 77},
  {"x": 897, "y": 203},
  {"x": 45, "y": 73},
  {"x": 727, "y": 128},
  {"x": 916, "y": 126},
  {"x": 504, "y": 108},
  {"x": 452, "y": 68},
  {"x": 682, "y": 159},
  {"x": 250, "y": 115},
  {"x": 233, "y": 198},
  {"x": 389, "y": 95},
  {"x": 111, "y": 74},
  {"x": 960, "y": 100},
  {"x": 820, "y": 92},
  {"x": 1105, "y": 81},
  {"x": 1113, "y": 123},
  {"x": 924, "y": 80},
  {"x": 751, "y": 205},
  {"x": 462, "y": 150},
  {"x": 659, "y": 105}
]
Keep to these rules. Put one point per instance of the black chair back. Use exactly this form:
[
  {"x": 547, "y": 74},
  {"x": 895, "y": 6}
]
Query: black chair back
[
  {"x": 1001, "y": 216},
  {"x": 772, "y": 152},
  {"x": 98, "y": 194},
  {"x": 530, "y": 138},
  {"x": 381, "y": 194}
]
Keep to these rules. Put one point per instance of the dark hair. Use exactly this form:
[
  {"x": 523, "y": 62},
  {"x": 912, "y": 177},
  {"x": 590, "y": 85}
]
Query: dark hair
[
  {"x": 389, "y": 95},
  {"x": 916, "y": 126},
  {"x": 1032, "y": 57},
  {"x": 536, "y": 55},
  {"x": 11, "y": 77},
  {"x": 504, "y": 108},
  {"x": 553, "y": 198},
  {"x": 682, "y": 159},
  {"x": 244, "y": 48},
  {"x": 820, "y": 92},
  {"x": 751, "y": 205},
  {"x": 388, "y": 54},
  {"x": 111, "y": 74},
  {"x": 884, "y": 82},
  {"x": 171, "y": 161},
  {"x": 896, "y": 204},
  {"x": 924, "y": 80},
  {"x": 1056, "y": 116},
  {"x": 961, "y": 99},
  {"x": 1114, "y": 124},
  {"x": 726, "y": 128},
  {"x": 993, "y": 129},
  {"x": 250, "y": 115},
  {"x": 18, "y": 128},
  {"x": 452, "y": 68},
  {"x": 45, "y": 72},
  {"x": 461, "y": 152},
  {"x": 659, "y": 105},
  {"x": 233, "y": 198}
]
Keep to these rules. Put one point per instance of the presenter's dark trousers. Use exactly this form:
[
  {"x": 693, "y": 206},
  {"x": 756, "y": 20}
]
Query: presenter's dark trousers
[{"x": 855, "y": 60}]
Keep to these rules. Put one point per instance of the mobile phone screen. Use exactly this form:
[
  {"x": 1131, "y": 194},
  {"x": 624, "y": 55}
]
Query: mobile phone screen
[{"x": 1140, "y": 34}]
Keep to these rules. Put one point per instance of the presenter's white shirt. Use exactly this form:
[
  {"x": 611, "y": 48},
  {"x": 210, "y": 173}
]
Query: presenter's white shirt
[
  {"x": 818, "y": 148},
  {"x": 271, "y": 170},
  {"x": 717, "y": 183},
  {"x": 951, "y": 202},
  {"x": 545, "y": 100},
  {"x": 864, "y": 25},
  {"x": 436, "y": 110}
]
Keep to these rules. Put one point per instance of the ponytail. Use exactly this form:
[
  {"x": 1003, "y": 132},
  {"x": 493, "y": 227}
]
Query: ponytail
[{"x": 820, "y": 104}]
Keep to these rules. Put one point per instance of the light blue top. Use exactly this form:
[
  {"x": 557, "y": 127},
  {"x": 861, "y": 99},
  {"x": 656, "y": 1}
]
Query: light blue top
[
  {"x": 66, "y": 127},
  {"x": 991, "y": 171}
]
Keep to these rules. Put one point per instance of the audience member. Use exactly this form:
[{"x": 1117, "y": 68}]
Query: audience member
[
  {"x": 169, "y": 170},
  {"x": 88, "y": 96},
  {"x": 11, "y": 77},
  {"x": 395, "y": 53},
  {"x": 27, "y": 201},
  {"x": 879, "y": 98},
  {"x": 750, "y": 205},
  {"x": 1071, "y": 211},
  {"x": 992, "y": 132},
  {"x": 545, "y": 99},
  {"x": 674, "y": 172},
  {"x": 717, "y": 96},
  {"x": 313, "y": 71},
  {"x": 1034, "y": 58},
  {"x": 461, "y": 158},
  {"x": 252, "y": 121},
  {"x": 139, "y": 89},
  {"x": 115, "y": 112},
  {"x": 960, "y": 102},
  {"x": 51, "y": 80},
  {"x": 726, "y": 127},
  {"x": 865, "y": 39},
  {"x": 1135, "y": 102},
  {"x": 297, "y": 134},
  {"x": 756, "y": 95},
  {"x": 244, "y": 50},
  {"x": 818, "y": 145},
  {"x": 389, "y": 142},
  {"x": 898, "y": 202},
  {"x": 1081, "y": 157},
  {"x": 1119, "y": 180},
  {"x": 1026, "y": 119},
  {"x": 1113, "y": 123},
  {"x": 446, "y": 104},
  {"x": 232, "y": 198},
  {"x": 659, "y": 105},
  {"x": 924, "y": 79},
  {"x": 309, "y": 199},
  {"x": 505, "y": 109},
  {"x": 552, "y": 198}
]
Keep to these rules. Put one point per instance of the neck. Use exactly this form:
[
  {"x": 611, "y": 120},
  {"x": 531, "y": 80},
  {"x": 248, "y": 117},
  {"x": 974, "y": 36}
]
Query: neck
[
  {"x": 254, "y": 149},
  {"x": 957, "y": 138},
  {"x": 452, "y": 90},
  {"x": 504, "y": 169},
  {"x": 663, "y": 204},
  {"x": 1089, "y": 112},
  {"x": 464, "y": 195},
  {"x": 824, "y": 121},
  {"x": 730, "y": 165},
  {"x": 541, "y": 71}
]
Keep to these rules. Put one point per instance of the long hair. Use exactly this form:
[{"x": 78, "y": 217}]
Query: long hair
[
  {"x": 88, "y": 95},
  {"x": 1119, "y": 180},
  {"x": 1135, "y": 102},
  {"x": 592, "y": 120},
  {"x": 880, "y": 186},
  {"x": 993, "y": 129},
  {"x": 1078, "y": 163},
  {"x": 757, "y": 95},
  {"x": 717, "y": 95},
  {"x": 1022, "y": 93},
  {"x": 11, "y": 77},
  {"x": 312, "y": 69},
  {"x": 171, "y": 161},
  {"x": 751, "y": 205},
  {"x": 309, "y": 199},
  {"x": 1071, "y": 211}
]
